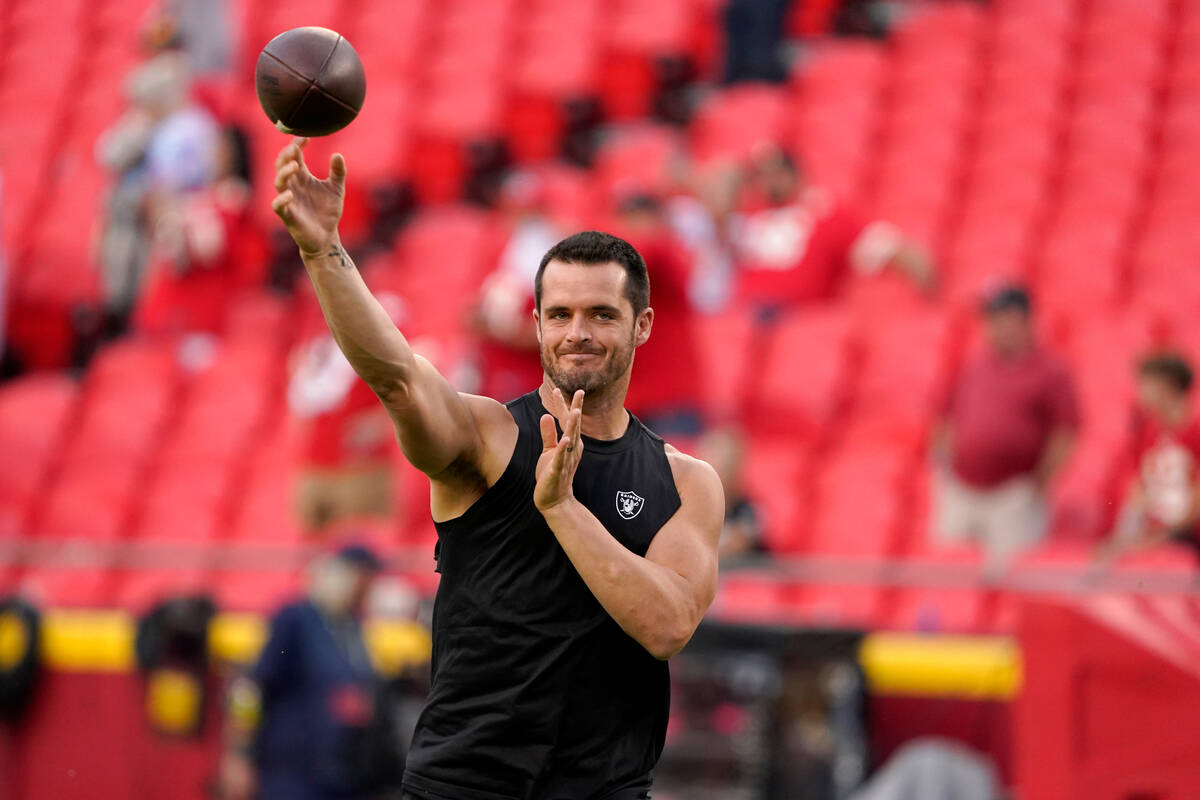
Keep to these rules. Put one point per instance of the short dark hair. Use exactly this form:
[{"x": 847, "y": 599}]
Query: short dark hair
[
  {"x": 1170, "y": 367},
  {"x": 1010, "y": 297},
  {"x": 593, "y": 248}
]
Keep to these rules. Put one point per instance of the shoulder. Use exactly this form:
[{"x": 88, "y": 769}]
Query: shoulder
[
  {"x": 292, "y": 614},
  {"x": 498, "y": 434},
  {"x": 486, "y": 411},
  {"x": 697, "y": 483}
]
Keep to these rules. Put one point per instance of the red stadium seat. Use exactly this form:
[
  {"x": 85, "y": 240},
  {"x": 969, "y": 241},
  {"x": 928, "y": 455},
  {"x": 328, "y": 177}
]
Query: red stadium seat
[
  {"x": 904, "y": 371},
  {"x": 802, "y": 379},
  {"x": 140, "y": 589},
  {"x": 67, "y": 586},
  {"x": 834, "y": 606},
  {"x": 733, "y": 122},
  {"x": 638, "y": 157},
  {"x": 935, "y": 610},
  {"x": 93, "y": 503},
  {"x": 35, "y": 413},
  {"x": 750, "y": 597},
  {"x": 774, "y": 474},
  {"x": 725, "y": 340},
  {"x": 255, "y": 591}
]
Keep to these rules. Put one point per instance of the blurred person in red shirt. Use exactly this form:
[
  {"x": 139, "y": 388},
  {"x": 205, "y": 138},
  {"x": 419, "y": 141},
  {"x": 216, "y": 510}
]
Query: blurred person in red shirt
[
  {"x": 742, "y": 534},
  {"x": 1009, "y": 426},
  {"x": 1162, "y": 498},
  {"x": 508, "y": 341},
  {"x": 348, "y": 456},
  {"x": 664, "y": 396},
  {"x": 795, "y": 243},
  {"x": 206, "y": 249}
]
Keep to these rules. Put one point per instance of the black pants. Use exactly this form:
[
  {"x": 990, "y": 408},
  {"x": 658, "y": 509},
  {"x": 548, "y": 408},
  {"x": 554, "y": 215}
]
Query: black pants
[{"x": 634, "y": 790}]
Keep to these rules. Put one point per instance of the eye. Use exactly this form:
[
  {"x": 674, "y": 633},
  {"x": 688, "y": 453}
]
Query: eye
[
  {"x": 559, "y": 315},
  {"x": 603, "y": 315}
]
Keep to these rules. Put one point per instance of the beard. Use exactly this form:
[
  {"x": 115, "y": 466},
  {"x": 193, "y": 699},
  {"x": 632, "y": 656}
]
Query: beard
[{"x": 588, "y": 378}]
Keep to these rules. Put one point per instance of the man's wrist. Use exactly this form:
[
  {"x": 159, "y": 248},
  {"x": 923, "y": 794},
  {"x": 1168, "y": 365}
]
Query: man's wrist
[
  {"x": 333, "y": 249},
  {"x": 560, "y": 510}
]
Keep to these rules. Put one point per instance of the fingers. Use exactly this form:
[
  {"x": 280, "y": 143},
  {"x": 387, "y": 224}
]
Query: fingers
[
  {"x": 337, "y": 171},
  {"x": 292, "y": 152},
  {"x": 284, "y": 174},
  {"x": 549, "y": 433},
  {"x": 575, "y": 417},
  {"x": 280, "y": 205},
  {"x": 300, "y": 143}
]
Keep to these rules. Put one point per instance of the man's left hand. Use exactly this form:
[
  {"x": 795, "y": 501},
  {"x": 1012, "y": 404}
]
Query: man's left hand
[{"x": 560, "y": 456}]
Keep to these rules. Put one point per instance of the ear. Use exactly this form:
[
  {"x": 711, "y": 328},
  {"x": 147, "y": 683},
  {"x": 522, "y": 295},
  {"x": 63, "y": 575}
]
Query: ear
[
  {"x": 642, "y": 326},
  {"x": 537, "y": 324}
]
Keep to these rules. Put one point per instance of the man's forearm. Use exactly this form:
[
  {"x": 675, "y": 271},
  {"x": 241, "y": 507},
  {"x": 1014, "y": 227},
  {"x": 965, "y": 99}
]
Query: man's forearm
[
  {"x": 649, "y": 601},
  {"x": 362, "y": 328}
]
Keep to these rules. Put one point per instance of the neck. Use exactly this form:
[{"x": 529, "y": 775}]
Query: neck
[{"x": 604, "y": 415}]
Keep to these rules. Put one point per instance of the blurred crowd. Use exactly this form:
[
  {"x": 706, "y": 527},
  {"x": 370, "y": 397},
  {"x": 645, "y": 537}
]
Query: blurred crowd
[{"x": 178, "y": 242}]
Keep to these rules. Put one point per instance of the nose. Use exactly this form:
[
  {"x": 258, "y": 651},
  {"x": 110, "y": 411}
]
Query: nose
[{"x": 578, "y": 331}]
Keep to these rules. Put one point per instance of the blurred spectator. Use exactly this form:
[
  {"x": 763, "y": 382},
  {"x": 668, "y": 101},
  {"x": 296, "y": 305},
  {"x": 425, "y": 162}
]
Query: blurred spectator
[
  {"x": 700, "y": 218},
  {"x": 1162, "y": 501},
  {"x": 663, "y": 393},
  {"x": 302, "y": 724},
  {"x": 796, "y": 244},
  {"x": 933, "y": 769},
  {"x": 200, "y": 28},
  {"x": 348, "y": 459},
  {"x": 163, "y": 145},
  {"x": 742, "y": 534},
  {"x": 504, "y": 318},
  {"x": 206, "y": 248},
  {"x": 1009, "y": 427}
]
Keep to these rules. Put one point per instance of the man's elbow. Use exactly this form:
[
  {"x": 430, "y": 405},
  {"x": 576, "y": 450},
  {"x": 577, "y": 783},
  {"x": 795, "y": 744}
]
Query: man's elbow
[
  {"x": 392, "y": 383},
  {"x": 668, "y": 641}
]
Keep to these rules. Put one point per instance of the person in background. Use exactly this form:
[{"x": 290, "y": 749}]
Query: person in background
[
  {"x": 299, "y": 724},
  {"x": 1162, "y": 499},
  {"x": 162, "y": 146},
  {"x": 796, "y": 244},
  {"x": 742, "y": 532},
  {"x": 202, "y": 29},
  {"x": 206, "y": 249},
  {"x": 699, "y": 214},
  {"x": 1008, "y": 428},
  {"x": 348, "y": 464},
  {"x": 504, "y": 314},
  {"x": 664, "y": 395}
]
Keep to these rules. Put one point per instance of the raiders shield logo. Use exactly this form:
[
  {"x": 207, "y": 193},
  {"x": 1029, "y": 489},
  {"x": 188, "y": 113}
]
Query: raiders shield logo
[{"x": 629, "y": 505}]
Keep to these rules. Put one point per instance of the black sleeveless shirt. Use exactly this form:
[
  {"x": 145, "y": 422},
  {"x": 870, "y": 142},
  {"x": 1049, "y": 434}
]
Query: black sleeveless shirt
[{"x": 537, "y": 693}]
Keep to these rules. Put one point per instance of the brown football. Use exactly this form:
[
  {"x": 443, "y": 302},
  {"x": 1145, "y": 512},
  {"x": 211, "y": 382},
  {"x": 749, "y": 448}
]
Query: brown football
[{"x": 310, "y": 82}]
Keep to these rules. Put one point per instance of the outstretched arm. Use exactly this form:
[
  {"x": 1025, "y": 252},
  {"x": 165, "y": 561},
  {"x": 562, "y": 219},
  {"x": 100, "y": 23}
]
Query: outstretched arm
[
  {"x": 433, "y": 423},
  {"x": 659, "y": 599}
]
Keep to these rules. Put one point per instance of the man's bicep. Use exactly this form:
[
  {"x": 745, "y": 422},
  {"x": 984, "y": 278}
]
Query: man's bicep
[{"x": 434, "y": 425}]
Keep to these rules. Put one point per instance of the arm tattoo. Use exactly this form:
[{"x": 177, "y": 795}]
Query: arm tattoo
[{"x": 339, "y": 252}]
